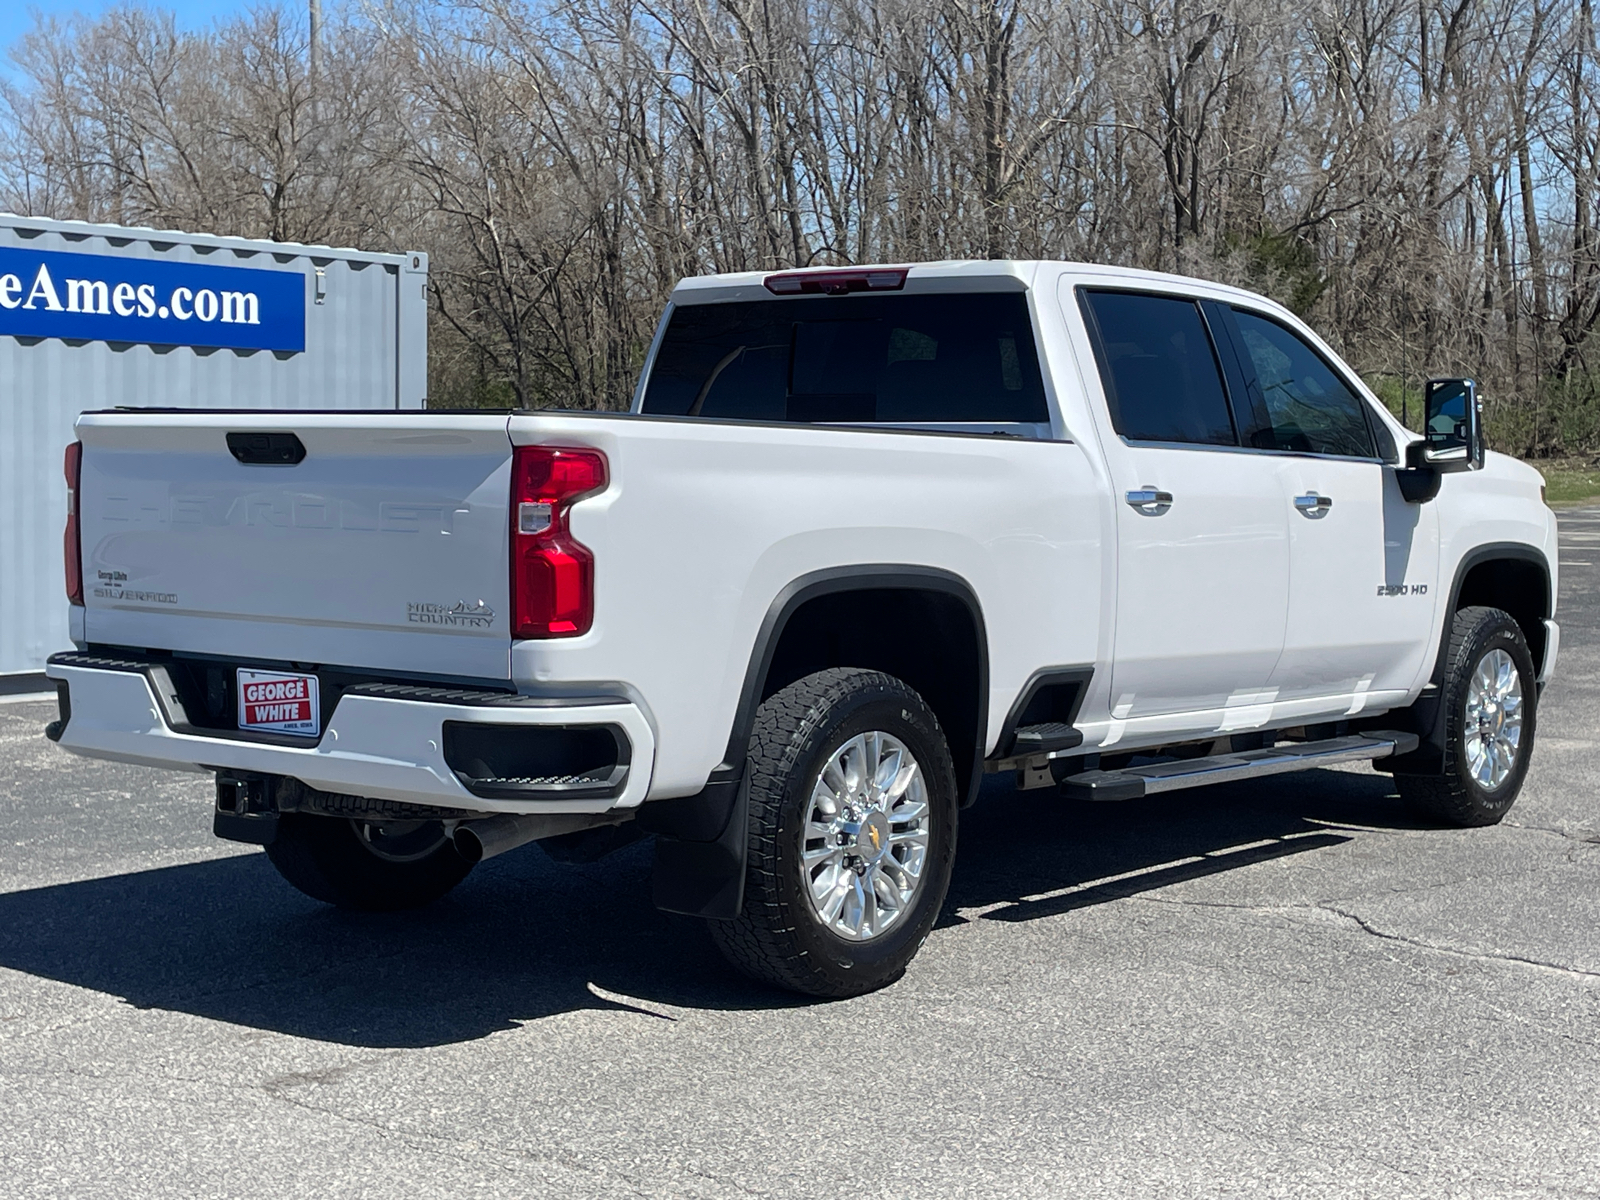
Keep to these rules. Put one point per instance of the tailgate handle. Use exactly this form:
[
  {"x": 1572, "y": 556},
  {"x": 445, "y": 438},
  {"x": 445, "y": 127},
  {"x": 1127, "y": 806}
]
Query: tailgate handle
[{"x": 266, "y": 449}]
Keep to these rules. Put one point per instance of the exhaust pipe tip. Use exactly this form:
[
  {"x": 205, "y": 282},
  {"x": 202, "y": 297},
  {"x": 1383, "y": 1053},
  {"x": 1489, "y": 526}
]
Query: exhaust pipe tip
[
  {"x": 468, "y": 844},
  {"x": 478, "y": 840}
]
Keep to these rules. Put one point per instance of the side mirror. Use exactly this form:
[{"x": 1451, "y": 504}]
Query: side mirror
[
  {"x": 1452, "y": 438},
  {"x": 1452, "y": 426}
]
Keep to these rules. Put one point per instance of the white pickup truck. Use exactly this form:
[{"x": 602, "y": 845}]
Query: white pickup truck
[{"x": 866, "y": 535}]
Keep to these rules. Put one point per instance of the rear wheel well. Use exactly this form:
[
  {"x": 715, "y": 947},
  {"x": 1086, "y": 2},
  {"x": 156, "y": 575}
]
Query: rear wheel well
[
  {"x": 928, "y": 638},
  {"x": 1517, "y": 586}
]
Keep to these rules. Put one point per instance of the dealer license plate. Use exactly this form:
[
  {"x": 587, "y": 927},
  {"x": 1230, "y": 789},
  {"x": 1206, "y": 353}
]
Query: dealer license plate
[{"x": 278, "y": 703}]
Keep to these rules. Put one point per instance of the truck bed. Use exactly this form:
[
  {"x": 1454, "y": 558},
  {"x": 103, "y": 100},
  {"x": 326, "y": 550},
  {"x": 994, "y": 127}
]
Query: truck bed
[{"x": 386, "y": 549}]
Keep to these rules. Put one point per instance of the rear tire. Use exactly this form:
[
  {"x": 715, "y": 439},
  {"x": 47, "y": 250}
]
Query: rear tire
[
  {"x": 370, "y": 866},
  {"x": 1491, "y": 707},
  {"x": 852, "y": 834}
]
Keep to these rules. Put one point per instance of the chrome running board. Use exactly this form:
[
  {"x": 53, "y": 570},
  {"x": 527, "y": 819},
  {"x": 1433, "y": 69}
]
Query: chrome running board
[{"x": 1132, "y": 782}]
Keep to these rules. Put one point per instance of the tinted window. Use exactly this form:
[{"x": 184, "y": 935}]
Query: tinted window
[
  {"x": 954, "y": 358},
  {"x": 1159, "y": 370},
  {"x": 1308, "y": 407}
]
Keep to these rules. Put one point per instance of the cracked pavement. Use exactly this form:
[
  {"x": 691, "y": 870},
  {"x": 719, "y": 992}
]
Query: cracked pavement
[{"x": 1292, "y": 987}]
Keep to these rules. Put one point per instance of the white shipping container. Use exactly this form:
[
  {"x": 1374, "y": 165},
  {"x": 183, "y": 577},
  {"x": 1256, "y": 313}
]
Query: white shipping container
[{"x": 102, "y": 316}]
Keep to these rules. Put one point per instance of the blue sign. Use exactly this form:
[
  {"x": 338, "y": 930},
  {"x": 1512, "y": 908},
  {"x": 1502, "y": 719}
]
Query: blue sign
[{"x": 159, "y": 302}]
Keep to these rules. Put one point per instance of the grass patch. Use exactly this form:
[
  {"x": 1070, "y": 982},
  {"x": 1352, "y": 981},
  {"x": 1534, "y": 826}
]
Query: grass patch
[{"x": 1568, "y": 481}]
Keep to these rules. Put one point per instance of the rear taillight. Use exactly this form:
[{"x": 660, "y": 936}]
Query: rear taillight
[
  {"x": 72, "y": 542},
  {"x": 552, "y": 573}
]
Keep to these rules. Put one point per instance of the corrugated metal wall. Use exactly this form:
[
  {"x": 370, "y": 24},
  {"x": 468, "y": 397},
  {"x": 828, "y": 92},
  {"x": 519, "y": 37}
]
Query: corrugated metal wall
[{"x": 366, "y": 347}]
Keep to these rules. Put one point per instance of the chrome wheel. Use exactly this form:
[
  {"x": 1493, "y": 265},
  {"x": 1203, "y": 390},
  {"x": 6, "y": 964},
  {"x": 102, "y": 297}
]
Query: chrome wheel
[
  {"x": 866, "y": 837},
  {"x": 1493, "y": 726}
]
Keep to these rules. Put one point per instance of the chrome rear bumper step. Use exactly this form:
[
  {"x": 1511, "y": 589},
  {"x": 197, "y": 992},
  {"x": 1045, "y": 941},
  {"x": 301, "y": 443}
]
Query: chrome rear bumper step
[{"x": 1130, "y": 783}]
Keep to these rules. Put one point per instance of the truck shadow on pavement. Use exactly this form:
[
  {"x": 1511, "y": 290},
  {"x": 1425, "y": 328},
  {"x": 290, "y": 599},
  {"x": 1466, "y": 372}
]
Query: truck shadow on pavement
[
  {"x": 1008, "y": 869},
  {"x": 525, "y": 938}
]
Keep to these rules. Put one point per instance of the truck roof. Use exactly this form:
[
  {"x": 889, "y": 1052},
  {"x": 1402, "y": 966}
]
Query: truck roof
[{"x": 954, "y": 274}]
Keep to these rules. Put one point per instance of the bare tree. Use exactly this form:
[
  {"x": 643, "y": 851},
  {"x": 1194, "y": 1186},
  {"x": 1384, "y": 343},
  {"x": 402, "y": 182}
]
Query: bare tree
[{"x": 1420, "y": 178}]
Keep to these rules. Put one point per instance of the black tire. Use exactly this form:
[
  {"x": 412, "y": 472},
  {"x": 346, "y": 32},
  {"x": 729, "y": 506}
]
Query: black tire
[
  {"x": 332, "y": 859},
  {"x": 1456, "y": 797},
  {"x": 779, "y": 938}
]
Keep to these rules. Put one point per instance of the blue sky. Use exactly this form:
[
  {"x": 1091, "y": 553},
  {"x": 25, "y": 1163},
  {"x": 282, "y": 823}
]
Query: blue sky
[{"x": 16, "y": 16}]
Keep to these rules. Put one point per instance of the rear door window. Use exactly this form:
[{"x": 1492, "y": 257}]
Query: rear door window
[
  {"x": 1159, "y": 368},
  {"x": 935, "y": 359}
]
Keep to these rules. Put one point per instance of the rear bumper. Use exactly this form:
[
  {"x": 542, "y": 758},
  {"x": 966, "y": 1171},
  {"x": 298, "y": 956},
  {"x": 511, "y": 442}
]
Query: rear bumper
[{"x": 390, "y": 746}]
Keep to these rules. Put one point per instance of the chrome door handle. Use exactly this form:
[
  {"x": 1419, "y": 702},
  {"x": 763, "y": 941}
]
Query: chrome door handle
[
  {"x": 1313, "y": 505},
  {"x": 1146, "y": 499}
]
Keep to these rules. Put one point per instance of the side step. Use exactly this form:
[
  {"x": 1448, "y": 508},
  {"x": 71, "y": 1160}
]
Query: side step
[
  {"x": 1132, "y": 782},
  {"x": 1044, "y": 739}
]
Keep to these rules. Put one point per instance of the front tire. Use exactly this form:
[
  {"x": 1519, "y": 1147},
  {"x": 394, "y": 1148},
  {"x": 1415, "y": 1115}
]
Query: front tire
[
  {"x": 1491, "y": 706},
  {"x": 851, "y": 835},
  {"x": 366, "y": 865}
]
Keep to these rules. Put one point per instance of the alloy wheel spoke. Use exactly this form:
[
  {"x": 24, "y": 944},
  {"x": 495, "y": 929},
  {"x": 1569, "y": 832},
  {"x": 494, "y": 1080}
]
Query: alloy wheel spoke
[
  {"x": 909, "y": 838},
  {"x": 825, "y": 798},
  {"x": 907, "y": 780},
  {"x": 886, "y": 900},
  {"x": 858, "y": 906},
  {"x": 887, "y": 769},
  {"x": 1500, "y": 761},
  {"x": 908, "y": 810},
  {"x": 832, "y": 779},
  {"x": 821, "y": 854},
  {"x": 833, "y": 899},
  {"x": 892, "y": 874},
  {"x": 872, "y": 916}
]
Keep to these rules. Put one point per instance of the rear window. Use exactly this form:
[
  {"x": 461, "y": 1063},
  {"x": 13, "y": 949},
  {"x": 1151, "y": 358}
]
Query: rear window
[
  {"x": 1160, "y": 372},
  {"x": 940, "y": 359}
]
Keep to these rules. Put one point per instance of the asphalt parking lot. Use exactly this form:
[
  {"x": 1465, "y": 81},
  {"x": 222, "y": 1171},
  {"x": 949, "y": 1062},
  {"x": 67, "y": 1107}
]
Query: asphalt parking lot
[{"x": 1286, "y": 988}]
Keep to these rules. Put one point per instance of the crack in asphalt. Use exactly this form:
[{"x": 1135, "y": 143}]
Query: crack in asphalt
[
  {"x": 1368, "y": 927},
  {"x": 279, "y": 1088},
  {"x": 444, "y": 1145},
  {"x": 22, "y": 1033},
  {"x": 1587, "y": 837},
  {"x": 1456, "y": 951},
  {"x": 1355, "y": 1152},
  {"x": 1315, "y": 1143}
]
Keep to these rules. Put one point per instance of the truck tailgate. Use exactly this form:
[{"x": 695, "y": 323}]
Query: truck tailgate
[{"x": 385, "y": 547}]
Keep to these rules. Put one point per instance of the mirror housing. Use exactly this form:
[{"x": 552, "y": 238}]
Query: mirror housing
[
  {"x": 1452, "y": 426},
  {"x": 1452, "y": 438},
  {"x": 1418, "y": 483}
]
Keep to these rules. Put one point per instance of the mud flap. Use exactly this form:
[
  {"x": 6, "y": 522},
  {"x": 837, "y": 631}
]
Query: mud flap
[
  {"x": 701, "y": 845},
  {"x": 1425, "y": 718}
]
